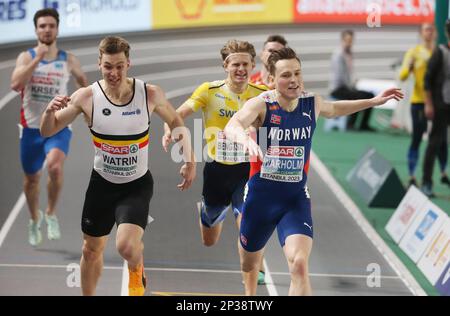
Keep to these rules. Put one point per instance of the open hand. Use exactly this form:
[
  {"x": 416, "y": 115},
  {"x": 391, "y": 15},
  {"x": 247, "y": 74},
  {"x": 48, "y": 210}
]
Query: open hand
[
  {"x": 386, "y": 95},
  {"x": 187, "y": 172}
]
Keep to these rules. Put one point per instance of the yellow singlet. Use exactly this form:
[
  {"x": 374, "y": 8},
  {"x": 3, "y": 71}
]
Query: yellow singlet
[{"x": 219, "y": 104}]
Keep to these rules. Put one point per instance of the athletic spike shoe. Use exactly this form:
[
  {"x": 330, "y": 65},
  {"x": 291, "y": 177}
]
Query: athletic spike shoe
[
  {"x": 53, "y": 232},
  {"x": 137, "y": 282},
  {"x": 261, "y": 278},
  {"x": 34, "y": 231}
]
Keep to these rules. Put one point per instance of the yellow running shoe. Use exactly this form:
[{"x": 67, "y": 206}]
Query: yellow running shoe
[{"x": 137, "y": 282}]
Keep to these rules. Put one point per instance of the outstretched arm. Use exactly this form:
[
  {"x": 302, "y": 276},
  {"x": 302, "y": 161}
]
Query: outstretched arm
[
  {"x": 331, "y": 109},
  {"x": 175, "y": 123},
  {"x": 184, "y": 111},
  {"x": 62, "y": 110},
  {"x": 235, "y": 129}
]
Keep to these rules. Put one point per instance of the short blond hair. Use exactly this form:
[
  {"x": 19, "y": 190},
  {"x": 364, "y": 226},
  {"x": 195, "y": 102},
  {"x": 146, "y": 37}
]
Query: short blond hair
[
  {"x": 111, "y": 45},
  {"x": 235, "y": 46}
]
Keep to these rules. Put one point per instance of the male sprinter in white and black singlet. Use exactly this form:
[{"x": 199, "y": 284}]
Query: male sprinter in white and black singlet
[{"x": 118, "y": 111}]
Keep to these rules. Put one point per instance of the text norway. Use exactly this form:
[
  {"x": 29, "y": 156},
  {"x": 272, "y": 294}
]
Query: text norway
[{"x": 286, "y": 134}]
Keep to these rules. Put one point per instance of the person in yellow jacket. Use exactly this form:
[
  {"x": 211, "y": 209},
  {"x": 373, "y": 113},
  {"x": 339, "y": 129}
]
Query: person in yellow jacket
[{"x": 415, "y": 63}]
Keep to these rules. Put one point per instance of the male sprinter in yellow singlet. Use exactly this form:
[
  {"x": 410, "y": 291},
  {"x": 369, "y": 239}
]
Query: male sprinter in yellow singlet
[{"x": 224, "y": 177}]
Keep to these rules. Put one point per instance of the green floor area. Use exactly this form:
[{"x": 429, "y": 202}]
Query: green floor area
[{"x": 340, "y": 151}]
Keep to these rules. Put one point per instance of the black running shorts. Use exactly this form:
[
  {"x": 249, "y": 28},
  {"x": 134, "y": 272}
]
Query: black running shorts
[
  {"x": 221, "y": 182},
  {"x": 108, "y": 203}
]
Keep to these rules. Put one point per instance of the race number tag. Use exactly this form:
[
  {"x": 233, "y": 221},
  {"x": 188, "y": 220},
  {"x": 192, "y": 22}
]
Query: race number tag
[
  {"x": 120, "y": 161},
  {"x": 283, "y": 163},
  {"x": 229, "y": 151}
]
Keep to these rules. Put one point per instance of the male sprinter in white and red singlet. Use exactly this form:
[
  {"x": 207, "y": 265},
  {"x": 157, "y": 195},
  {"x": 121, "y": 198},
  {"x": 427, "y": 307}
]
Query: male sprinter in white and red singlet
[
  {"x": 277, "y": 195},
  {"x": 41, "y": 73},
  {"x": 118, "y": 110},
  {"x": 272, "y": 43}
]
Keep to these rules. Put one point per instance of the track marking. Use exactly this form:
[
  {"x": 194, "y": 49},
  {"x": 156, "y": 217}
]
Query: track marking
[
  {"x": 271, "y": 289},
  {"x": 7, "y": 98},
  {"x": 181, "y": 270},
  {"x": 124, "y": 288},
  {"x": 11, "y": 218},
  {"x": 365, "y": 226},
  {"x": 255, "y": 39}
]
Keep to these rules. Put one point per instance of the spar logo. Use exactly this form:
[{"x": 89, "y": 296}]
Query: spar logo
[
  {"x": 134, "y": 148},
  {"x": 120, "y": 150},
  {"x": 286, "y": 151}
]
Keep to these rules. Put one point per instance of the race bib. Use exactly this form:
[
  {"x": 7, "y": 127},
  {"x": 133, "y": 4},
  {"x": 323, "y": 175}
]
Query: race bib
[
  {"x": 229, "y": 151},
  {"x": 119, "y": 161},
  {"x": 283, "y": 163}
]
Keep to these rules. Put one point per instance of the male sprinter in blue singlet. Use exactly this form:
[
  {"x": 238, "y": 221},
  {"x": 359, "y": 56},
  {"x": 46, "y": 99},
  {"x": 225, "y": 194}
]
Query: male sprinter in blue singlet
[
  {"x": 121, "y": 185},
  {"x": 277, "y": 195},
  {"x": 41, "y": 73}
]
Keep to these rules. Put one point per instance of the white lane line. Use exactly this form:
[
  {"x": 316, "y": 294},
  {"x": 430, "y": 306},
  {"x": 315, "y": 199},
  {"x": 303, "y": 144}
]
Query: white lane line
[
  {"x": 180, "y": 92},
  {"x": 7, "y": 98},
  {"x": 271, "y": 288},
  {"x": 365, "y": 226},
  {"x": 11, "y": 218},
  {"x": 269, "y": 279},
  {"x": 343, "y": 276},
  {"x": 292, "y": 36},
  {"x": 124, "y": 288},
  {"x": 155, "y": 60},
  {"x": 20, "y": 203},
  {"x": 183, "y": 73},
  {"x": 47, "y": 266}
]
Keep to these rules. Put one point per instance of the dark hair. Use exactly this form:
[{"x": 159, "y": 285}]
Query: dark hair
[
  {"x": 46, "y": 12},
  {"x": 282, "y": 54},
  {"x": 276, "y": 38},
  {"x": 447, "y": 27},
  {"x": 346, "y": 32},
  {"x": 235, "y": 46},
  {"x": 113, "y": 45}
]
